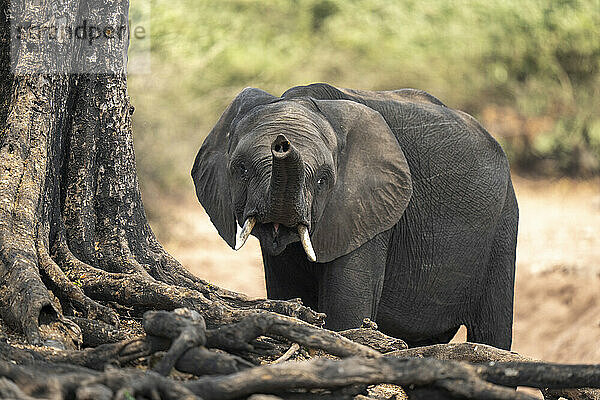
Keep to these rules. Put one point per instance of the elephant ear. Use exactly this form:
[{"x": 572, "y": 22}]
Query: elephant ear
[
  {"x": 373, "y": 185},
  {"x": 210, "y": 174}
]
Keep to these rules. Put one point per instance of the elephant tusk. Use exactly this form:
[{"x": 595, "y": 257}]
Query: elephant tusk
[
  {"x": 240, "y": 240},
  {"x": 305, "y": 239}
]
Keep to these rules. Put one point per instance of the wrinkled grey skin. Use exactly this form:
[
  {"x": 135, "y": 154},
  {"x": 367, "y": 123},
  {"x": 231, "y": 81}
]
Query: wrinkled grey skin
[{"x": 409, "y": 205}]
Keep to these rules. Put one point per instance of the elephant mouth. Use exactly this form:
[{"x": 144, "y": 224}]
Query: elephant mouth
[{"x": 275, "y": 237}]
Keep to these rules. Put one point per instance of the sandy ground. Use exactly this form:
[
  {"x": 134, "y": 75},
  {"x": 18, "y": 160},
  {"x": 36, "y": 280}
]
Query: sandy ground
[{"x": 557, "y": 305}]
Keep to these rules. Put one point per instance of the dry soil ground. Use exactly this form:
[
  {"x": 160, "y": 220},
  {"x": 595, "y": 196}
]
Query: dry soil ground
[{"x": 557, "y": 305}]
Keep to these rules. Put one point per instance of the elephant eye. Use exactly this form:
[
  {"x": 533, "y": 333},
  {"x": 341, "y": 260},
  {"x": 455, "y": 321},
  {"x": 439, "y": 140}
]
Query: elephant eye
[
  {"x": 242, "y": 170},
  {"x": 324, "y": 179},
  {"x": 322, "y": 183}
]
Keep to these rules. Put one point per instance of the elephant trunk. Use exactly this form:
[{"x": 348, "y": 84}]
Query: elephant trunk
[{"x": 287, "y": 179}]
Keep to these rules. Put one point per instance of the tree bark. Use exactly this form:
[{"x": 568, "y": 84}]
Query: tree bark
[{"x": 73, "y": 230}]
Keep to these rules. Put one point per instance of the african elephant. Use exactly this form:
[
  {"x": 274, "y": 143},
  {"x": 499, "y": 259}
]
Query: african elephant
[{"x": 404, "y": 207}]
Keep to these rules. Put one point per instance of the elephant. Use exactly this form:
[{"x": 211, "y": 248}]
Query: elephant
[{"x": 386, "y": 205}]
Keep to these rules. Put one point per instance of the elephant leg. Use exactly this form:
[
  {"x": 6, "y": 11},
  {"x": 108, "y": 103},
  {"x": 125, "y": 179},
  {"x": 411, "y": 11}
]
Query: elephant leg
[
  {"x": 445, "y": 337},
  {"x": 289, "y": 275},
  {"x": 492, "y": 322},
  {"x": 350, "y": 286}
]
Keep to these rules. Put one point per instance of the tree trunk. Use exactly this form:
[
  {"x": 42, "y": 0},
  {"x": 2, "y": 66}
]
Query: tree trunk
[{"x": 73, "y": 231}]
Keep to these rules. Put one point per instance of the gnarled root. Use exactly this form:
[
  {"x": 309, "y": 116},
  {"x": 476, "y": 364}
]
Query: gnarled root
[
  {"x": 184, "y": 336},
  {"x": 374, "y": 339},
  {"x": 238, "y": 336},
  {"x": 457, "y": 379},
  {"x": 69, "y": 291},
  {"x": 481, "y": 353}
]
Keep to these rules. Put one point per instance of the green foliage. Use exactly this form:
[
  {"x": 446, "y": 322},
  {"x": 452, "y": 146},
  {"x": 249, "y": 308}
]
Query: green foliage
[{"x": 538, "y": 58}]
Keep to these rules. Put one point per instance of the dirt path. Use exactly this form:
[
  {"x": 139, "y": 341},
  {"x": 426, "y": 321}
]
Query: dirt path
[
  {"x": 557, "y": 305},
  {"x": 557, "y": 309}
]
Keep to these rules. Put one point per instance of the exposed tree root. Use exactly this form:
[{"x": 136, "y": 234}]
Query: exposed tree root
[
  {"x": 185, "y": 332},
  {"x": 95, "y": 358},
  {"x": 69, "y": 291},
  {"x": 374, "y": 339},
  {"x": 453, "y": 379},
  {"x": 471, "y": 352},
  {"x": 95, "y": 333},
  {"x": 481, "y": 353},
  {"x": 238, "y": 336},
  {"x": 43, "y": 372},
  {"x": 458, "y": 379},
  {"x": 170, "y": 271},
  {"x": 144, "y": 292}
]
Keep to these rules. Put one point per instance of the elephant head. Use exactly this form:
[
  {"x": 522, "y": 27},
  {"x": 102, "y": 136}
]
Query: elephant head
[{"x": 328, "y": 173}]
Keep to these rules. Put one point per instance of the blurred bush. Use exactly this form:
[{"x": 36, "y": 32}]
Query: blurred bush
[{"x": 529, "y": 70}]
